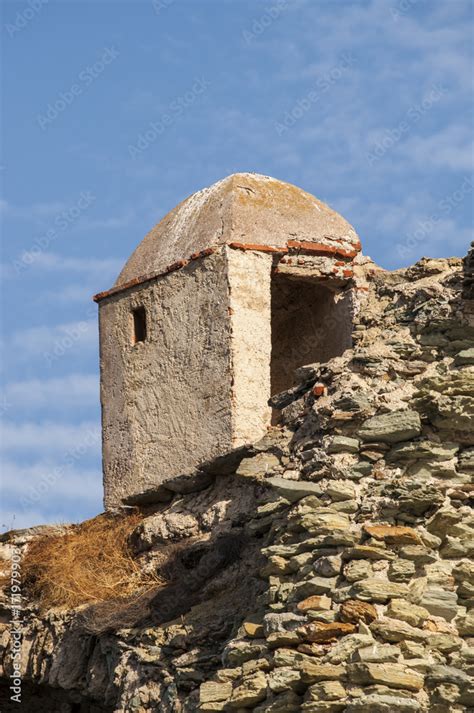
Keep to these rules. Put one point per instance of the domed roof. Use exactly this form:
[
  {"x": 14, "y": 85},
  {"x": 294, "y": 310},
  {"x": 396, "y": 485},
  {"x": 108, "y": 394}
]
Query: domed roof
[{"x": 244, "y": 207}]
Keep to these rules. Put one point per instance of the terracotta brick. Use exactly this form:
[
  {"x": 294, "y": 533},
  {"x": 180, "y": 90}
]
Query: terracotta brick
[
  {"x": 321, "y": 249},
  {"x": 257, "y": 247},
  {"x": 318, "y": 390}
]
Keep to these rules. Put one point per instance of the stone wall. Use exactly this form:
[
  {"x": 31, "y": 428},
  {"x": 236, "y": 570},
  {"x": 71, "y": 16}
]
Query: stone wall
[{"x": 329, "y": 566}]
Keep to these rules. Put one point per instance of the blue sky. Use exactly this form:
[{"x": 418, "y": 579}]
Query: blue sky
[{"x": 114, "y": 111}]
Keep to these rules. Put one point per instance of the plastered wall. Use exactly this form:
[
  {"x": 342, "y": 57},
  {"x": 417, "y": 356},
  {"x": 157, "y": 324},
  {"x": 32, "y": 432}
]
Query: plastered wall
[
  {"x": 249, "y": 282},
  {"x": 224, "y": 333},
  {"x": 166, "y": 402}
]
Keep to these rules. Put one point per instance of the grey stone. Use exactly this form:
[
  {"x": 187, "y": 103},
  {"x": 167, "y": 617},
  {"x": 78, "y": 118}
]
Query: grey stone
[
  {"x": 465, "y": 624},
  {"x": 345, "y": 647},
  {"x": 287, "y": 702},
  {"x": 283, "y": 679},
  {"x": 447, "y": 674},
  {"x": 343, "y": 444},
  {"x": 443, "y": 521},
  {"x": 258, "y": 466},
  {"x": 340, "y": 490},
  {"x": 417, "y": 554},
  {"x": 394, "y": 631},
  {"x": 286, "y": 621},
  {"x": 328, "y": 566},
  {"x": 377, "y": 653},
  {"x": 465, "y": 357},
  {"x": 293, "y": 490},
  {"x": 401, "y": 570},
  {"x": 316, "y": 585},
  {"x": 383, "y": 703},
  {"x": 356, "y": 570},
  {"x": 423, "y": 450},
  {"x": 466, "y": 460},
  {"x": 406, "y": 611},
  {"x": 440, "y": 602},
  {"x": 391, "y": 427},
  {"x": 378, "y": 590}
]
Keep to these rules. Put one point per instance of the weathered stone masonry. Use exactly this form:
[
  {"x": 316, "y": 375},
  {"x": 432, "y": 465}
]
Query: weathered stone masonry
[{"x": 326, "y": 567}]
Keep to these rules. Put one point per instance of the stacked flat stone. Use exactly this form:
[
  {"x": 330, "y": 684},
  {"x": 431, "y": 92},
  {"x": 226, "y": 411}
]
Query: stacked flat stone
[
  {"x": 353, "y": 589},
  {"x": 468, "y": 281}
]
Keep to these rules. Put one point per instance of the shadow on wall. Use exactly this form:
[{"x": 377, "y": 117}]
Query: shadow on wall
[{"x": 310, "y": 323}]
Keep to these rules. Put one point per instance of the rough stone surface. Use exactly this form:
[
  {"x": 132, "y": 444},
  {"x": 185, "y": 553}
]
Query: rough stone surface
[
  {"x": 391, "y": 427},
  {"x": 356, "y": 594}
]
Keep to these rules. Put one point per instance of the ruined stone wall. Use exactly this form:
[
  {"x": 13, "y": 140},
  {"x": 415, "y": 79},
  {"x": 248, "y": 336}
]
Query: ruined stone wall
[{"x": 331, "y": 568}]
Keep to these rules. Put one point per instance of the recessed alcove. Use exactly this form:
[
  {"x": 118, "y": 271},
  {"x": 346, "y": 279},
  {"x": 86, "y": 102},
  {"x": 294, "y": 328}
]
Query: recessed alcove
[{"x": 309, "y": 323}]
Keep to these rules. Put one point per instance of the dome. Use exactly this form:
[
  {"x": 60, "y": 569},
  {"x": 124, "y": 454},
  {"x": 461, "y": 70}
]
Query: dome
[{"x": 244, "y": 208}]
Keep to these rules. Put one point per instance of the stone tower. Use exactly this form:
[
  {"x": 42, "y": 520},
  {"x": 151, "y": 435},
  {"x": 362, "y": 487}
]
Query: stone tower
[{"x": 234, "y": 289}]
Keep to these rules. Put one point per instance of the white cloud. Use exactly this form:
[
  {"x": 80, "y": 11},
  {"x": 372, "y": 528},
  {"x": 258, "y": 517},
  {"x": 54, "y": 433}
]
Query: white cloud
[
  {"x": 89, "y": 268},
  {"x": 72, "y": 391},
  {"x": 33, "y": 483},
  {"x": 111, "y": 223},
  {"x": 52, "y": 343},
  {"x": 34, "y": 212},
  {"x": 16, "y": 519},
  {"x": 451, "y": 148},
  {"x": 62, "y": 263},
  {"x": 66, "y": 441}
]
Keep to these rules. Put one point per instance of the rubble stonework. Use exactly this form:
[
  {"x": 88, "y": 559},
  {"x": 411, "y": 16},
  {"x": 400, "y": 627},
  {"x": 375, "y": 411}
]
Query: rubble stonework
[{"x": 332, "y": 567}]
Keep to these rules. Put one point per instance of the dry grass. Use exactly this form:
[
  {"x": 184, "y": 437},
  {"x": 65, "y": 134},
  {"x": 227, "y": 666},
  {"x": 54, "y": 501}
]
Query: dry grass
[{"x": 92, "y": 563}]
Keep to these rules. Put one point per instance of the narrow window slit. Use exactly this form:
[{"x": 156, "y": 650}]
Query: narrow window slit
[{"x": 139, "y": 325}]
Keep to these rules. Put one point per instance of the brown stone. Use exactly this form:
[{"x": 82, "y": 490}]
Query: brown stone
[
  {"x": 315, "y": 603},
  {"x": 318, "y": 632},
  {"x": 392, "y": 675},
  {"x": 254, "y": 631},
  {"x": 393, "y": 535},
  {"x": 314, "y": 672},
  {"x": 354, "y": 611}
]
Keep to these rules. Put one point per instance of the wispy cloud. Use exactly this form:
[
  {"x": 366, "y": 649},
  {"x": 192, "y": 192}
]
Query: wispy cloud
[
  {"x": 54, "y": 262},
  {"x": 85, "y": 485},
  {"x": 60, "y": 393},
  {"x": 50, "y": 343},
  {"x": 50, "y": 437},
  {"x": 451, "y": 148}
]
